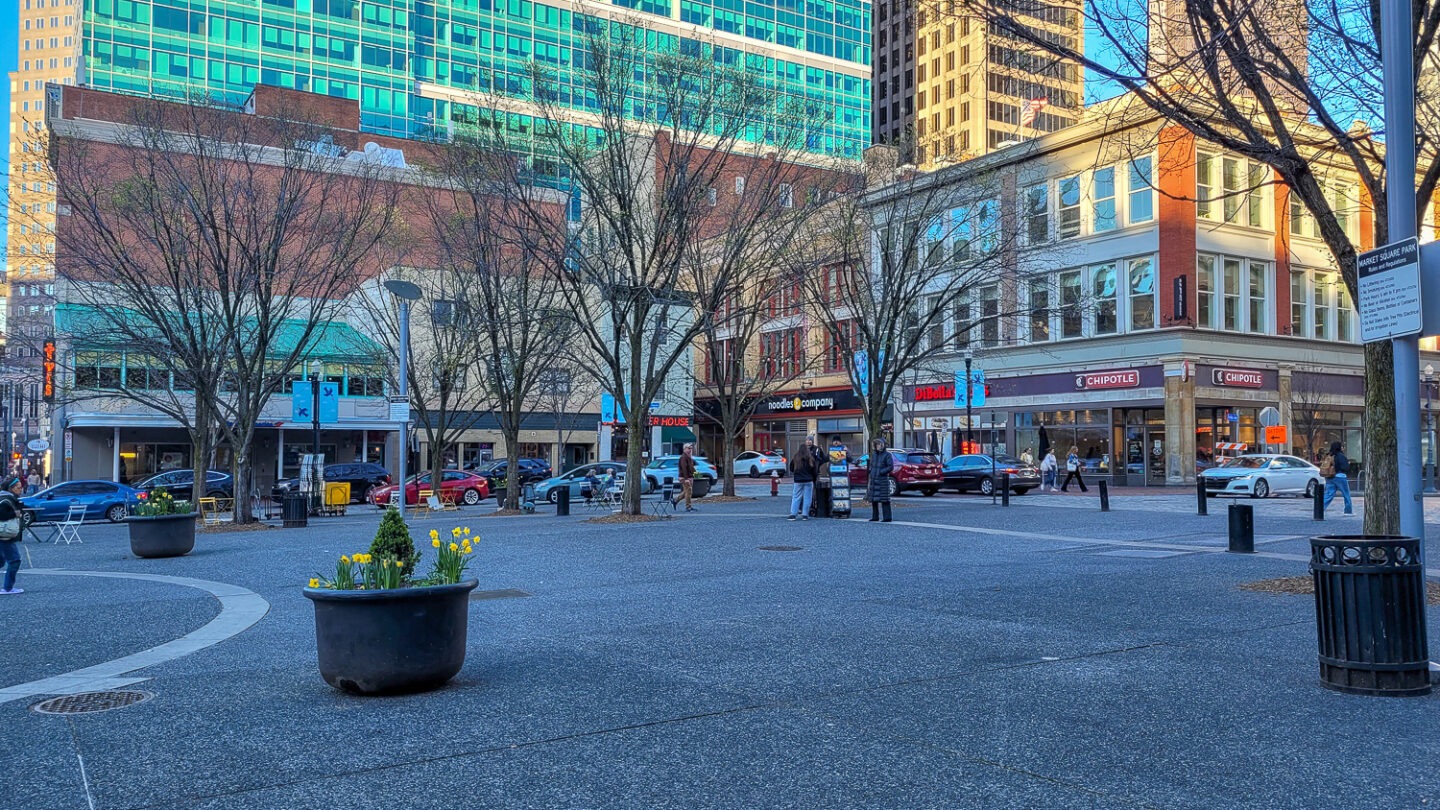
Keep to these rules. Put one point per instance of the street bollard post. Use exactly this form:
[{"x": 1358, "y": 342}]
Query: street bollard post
[
  {"x": 1005, "y": 489},
  {"x": 1202, "y": 503},
  {"x": 1104, "y": 496},
  {"x": 1318, "y": 505},
  {"x": 562, "y": 501},
  {"x": 1242, "y": 529}
]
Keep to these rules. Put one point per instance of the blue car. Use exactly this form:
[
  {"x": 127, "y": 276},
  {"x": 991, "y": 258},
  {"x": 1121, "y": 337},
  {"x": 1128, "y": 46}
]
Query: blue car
[{"x": 102, "y": 499}]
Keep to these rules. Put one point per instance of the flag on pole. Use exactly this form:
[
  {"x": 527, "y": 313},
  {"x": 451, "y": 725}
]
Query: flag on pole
[{"x": 1029, "y": 110}]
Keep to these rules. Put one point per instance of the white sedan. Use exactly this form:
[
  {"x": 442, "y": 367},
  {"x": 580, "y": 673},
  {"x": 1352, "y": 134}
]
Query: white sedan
[
  {"x": 755, "y": 464},
  {"x": 1260, "y": 475}
]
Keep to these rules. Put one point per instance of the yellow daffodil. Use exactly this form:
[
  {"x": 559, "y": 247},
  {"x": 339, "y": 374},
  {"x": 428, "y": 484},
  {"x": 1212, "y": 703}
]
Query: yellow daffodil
[
  {"x": 344, "y": 560},
  {"x": 435, "y": 542},
  {"x": 467, "y": 531},
  {"x": 455, "y": 531},
  {"x": 454, "y": 547},
  {"x": 314, "y": 583},
  {"x": 385, "y": 563},
  {"x": 434, "y": 534}
]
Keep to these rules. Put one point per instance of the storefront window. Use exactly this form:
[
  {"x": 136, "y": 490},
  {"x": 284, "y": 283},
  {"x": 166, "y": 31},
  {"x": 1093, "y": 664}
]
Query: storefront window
[
  {"x": 141, "y": 460},
  {"x": 1087, "y": 431},
  {"x": 1215, "y": 426},
  {"x": 1315, "y": 430},
  {"x": 290, "y": 465}
]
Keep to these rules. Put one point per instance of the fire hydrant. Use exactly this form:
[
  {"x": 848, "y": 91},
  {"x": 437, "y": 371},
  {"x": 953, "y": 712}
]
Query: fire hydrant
[{"x": 774, "y": 483}]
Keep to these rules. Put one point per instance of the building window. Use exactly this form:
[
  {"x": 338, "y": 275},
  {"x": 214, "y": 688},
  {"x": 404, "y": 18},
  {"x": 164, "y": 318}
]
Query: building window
[
  {"x": 1255, "y": 197},
  {"x": 990, "y": 312},
  {"x": 838, "y": 347},
  {"x": 1071, "y": 293},
  {"x": 1069, "y": 209},
  {"x": 1037, "y": 214},
  {"x": 787, "y": 196},
  {"x": 739, "y": 184},
  {"x": 1104, "y": 204},
  {"x": 782, "y": 352},
  {"x": 1039, "y": 305},
  {"x": 1142, "y": 294},
  {"x": 1233, "y": 294},
  {"x": 1105, "y": 310},
  {"x": 1320, "y": 306},
  {"x": 963, "y": 319},
  {"x": 1204, "y": 185},
  {"x": 1141, "y": 203}
]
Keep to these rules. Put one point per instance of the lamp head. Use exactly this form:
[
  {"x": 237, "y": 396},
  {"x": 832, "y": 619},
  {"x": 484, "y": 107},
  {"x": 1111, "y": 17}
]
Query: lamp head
[{"x": 403, "y": 289}]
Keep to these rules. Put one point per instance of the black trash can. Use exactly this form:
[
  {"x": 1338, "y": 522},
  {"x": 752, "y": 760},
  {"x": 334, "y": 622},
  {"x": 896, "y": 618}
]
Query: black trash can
[
  {"x": 1370, "y": 614},
  {"x": 295, "y": 511}
]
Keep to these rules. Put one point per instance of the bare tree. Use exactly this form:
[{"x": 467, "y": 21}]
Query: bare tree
[
  {"x": 1290, "y": 85},
  {"x": 258, "y": 223},
  {"x": 565, "y": 388},
  {"x": 644, "y": 185}
]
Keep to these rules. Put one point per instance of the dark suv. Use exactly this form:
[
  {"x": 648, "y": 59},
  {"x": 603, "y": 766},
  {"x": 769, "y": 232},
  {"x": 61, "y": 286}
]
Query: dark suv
[
  {"x": 179, "y": 483},
  {"x": 363, "y": 478},
  {"x": 531, "y": 470}
]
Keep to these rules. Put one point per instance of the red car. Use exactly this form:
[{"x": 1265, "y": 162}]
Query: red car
[
  {"x": 456, "y": 486},
  {"x": 914, "y": 469}
]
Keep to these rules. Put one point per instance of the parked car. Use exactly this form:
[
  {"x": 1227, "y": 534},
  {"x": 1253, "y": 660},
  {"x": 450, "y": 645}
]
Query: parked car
[
  {"x": 914, "y": 469},
  {"x": 179, "y": 483},
  {"x": 667, "y": 468},
  {"x": 981, "y": 473},
  {"x": 102, "y": 499},
  {"x": 455, "y": 485},
  {"x": 531, "y": 470},
  {"x": 755, "y": 464},
  {"x": 363, "y": 478},
  {"x": 1260, "y": 475},
  {"x": 575, "y": 480}
]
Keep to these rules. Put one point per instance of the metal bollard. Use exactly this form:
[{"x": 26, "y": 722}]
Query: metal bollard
[
  {"x": 562, "y": 501},
  {"x": 1319, "y": 505},
  {"x": 1202, "y": 503},
  {"x": 1005, "y": 489},
  {"x": 1104, "y": 496},
  {"x": 774, "y": 484},
  {"x": 1242, "y": 529}
]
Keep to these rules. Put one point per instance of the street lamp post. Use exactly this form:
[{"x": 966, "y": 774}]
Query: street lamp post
[
  {"x": 316, "y": 498},
  {"x": 405, "y": 292},
  {"x": 969, "y": 397}
]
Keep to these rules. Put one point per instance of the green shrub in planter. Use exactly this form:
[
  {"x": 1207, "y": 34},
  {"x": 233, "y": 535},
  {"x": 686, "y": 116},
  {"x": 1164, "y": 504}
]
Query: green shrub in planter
[
  {"x": 159, "y": 503},
  {"x": 393, "y": 540}
]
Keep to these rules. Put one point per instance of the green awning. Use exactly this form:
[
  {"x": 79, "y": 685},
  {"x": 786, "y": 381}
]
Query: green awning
[{"x": 676, "y": 434}]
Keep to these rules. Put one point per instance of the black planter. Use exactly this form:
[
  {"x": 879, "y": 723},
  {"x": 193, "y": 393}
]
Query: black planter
[
  {"x": 391, "y": 641},
  {"x": 163, "y": 535}
]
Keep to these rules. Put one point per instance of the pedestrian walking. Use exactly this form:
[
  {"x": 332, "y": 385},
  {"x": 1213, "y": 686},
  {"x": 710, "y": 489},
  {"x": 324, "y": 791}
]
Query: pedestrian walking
[
  {"x": 803, "y": 469},
  {"x": 687, "y": 475},
  {"x": 1048, "y": 466},
  {"x": 1072, "y": 471},
  {"x": 10, "y": 511},
  {"x": 32, "y": 482},
  {"x": 1335, "y": 469},
  {"x": 882, "y": 468}
]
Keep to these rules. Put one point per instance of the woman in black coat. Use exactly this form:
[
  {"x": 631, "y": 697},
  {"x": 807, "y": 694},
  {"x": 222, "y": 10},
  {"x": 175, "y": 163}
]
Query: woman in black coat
[{"x": 882, "y": 467}]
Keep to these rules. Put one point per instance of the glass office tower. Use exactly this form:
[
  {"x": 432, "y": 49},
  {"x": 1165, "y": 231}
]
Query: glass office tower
[{"x": 411, "y": 63}]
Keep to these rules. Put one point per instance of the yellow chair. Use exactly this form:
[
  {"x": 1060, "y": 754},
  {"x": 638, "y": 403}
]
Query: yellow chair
[
  {"x": 210, "y": 511},
  {"x": 422, "y": 502}
]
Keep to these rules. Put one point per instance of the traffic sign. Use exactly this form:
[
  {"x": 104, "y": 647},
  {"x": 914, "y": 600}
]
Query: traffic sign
[
  {"x": 1276, "y": 434},
  {"x": 1269, "y": 417},
  {"x": 1390, "y": 291}
]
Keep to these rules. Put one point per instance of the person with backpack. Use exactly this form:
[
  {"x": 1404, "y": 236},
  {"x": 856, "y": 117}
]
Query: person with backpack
[
  {"x": 1072, "y": 471},
  {"x": 804, "y": 468},
  {"x": 10, "y": 525},
  {"x": 1335, "y": 469}
]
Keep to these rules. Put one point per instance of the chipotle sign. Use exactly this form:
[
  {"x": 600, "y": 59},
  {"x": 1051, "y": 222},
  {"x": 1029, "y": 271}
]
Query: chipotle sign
[
  {"x": 1101, "y": 380},
  {"x": 1238, "y": 377}
]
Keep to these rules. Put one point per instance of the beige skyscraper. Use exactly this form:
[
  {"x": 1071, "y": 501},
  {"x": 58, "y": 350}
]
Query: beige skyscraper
[
  {"x": 959, "y": 88},
  {"x": 48, "y": 33}
]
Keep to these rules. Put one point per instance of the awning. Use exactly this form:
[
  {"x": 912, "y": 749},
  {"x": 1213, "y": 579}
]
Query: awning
[{"x": 676, "y": 434}]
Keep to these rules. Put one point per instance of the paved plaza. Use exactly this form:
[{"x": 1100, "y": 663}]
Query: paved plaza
[{"x": 1045, "y": 656}]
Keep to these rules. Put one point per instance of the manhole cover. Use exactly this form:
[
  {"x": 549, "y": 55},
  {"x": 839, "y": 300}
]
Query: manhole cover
[
  {"x": 780, "y": 548},
  {"x": 88, "y": 702}
]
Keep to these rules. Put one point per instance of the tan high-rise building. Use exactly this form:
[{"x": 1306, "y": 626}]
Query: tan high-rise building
[
  {"x": 956, "y": 88},
  {"x": 48, "y": 33}
]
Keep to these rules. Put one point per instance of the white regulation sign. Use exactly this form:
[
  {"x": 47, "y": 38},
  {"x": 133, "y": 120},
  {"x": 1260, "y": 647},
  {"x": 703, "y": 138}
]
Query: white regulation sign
[{"x": 1390, "y": 291}]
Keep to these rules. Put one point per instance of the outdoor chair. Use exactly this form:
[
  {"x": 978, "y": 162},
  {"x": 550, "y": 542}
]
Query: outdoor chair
[
  {"x": 434, "y": 503},
  {"x": 68, "y": 530},
  {"x": 210, "y": 511},
  {"x": 664, "y": 506},
  {"x": 422, "y": 502}
]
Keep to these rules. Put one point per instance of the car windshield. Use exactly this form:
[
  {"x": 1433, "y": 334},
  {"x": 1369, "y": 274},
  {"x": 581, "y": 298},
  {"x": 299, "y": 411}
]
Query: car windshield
[
  {"x": 1246, "y": 463},
  {"x": 661, "y": 463}
]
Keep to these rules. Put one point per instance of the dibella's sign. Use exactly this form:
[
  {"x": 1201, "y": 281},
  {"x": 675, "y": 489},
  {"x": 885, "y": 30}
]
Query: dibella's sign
[
  {"x": 1101, "y": 380},
  {"x": 934, "y": 393},
  {"x": 1238, "y": 377}
]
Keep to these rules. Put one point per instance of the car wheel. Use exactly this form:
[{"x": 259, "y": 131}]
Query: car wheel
[
  {"x": 754, "y": 472},
  {"x": 1312, "y": 489},
  {"x": 471, "y": 497},
  {"x": 553, "y": 496},
  {"x": 1261, "y": 490},
  {"x": 369, "y": 494},
  {"x": 987, "y": 486},
  {"x": 894, "y": 487},
  {"x": 115, "y": 513},
  {"x": 1021, "y": 491},
  {"x": 216, "y": 494},
  {"x": 929, "y": 491}
]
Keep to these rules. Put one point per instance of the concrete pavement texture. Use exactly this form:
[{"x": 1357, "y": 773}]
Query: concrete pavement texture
[{"x": 966, "y": 656}]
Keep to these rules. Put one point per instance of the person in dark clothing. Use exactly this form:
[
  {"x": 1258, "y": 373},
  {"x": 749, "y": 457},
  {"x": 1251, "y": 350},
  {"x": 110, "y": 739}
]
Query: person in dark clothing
[
  {"x": 686, "y": 471},
  {"x": 804, "y": 467},
  {"x": 10, "y": 510},
  {"x": 1340, "y": 481},
  {"x": 881, "y": 470}
]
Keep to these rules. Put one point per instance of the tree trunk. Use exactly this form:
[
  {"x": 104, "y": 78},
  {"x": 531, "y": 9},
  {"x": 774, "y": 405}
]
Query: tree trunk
[
  {"x": 512, "y": 469},
  {"x": 437, "y": 469},
  {"x": 1382, "y": 493},
  {"x": 199, "y": 438},
  {"x": 243, "y": 512},
  {"x": 634, "y": 477},
  {"x": 727, "y": 466}
]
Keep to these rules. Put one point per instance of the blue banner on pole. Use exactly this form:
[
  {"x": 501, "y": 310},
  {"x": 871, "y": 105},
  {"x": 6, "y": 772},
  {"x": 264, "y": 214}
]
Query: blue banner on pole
[
  {"x": 301, "y": 401},
  {"x": 329, "y": 402}
]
